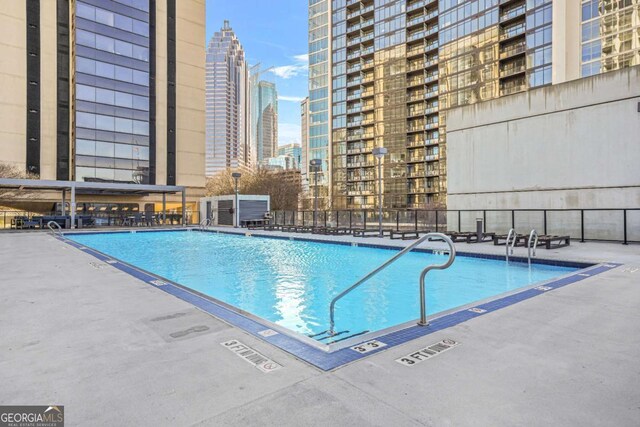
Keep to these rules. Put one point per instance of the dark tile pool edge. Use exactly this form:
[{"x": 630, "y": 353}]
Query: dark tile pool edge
[{"x": 315, "y": 356}]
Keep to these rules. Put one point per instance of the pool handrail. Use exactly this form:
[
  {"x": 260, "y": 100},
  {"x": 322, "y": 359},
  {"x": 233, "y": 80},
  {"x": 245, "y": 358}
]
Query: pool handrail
[
  {"x": 428, "y": 236},
  {"x": 54, "y": 232},
  {"x": 205, "y": 223},
  {"x": 533, "y": 236},
  {"x": 512, "y": 232}
]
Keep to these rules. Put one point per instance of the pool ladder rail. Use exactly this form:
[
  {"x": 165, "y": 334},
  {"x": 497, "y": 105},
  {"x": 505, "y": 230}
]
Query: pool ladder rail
[
  {"x": 531, "y": 249},
  {"x": 423, "y": 310},
  {"x": 54, "y": 228},
  {"x": 205, "y": 223},
  {"x": 512, "y": 238}
]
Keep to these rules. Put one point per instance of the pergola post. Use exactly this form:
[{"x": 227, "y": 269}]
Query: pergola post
[
  {"x": 73, "y": 206},
  {"x": 164, "y": 208},
  {"x": 64, "y": 197},
  {"x": 184, "y": 206}
]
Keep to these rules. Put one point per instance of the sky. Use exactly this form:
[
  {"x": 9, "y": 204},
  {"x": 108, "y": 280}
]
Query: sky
[{"x": 273, "y": 33}]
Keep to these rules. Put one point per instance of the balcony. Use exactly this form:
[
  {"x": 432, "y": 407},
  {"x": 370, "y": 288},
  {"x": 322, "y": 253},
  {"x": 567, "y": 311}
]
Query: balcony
[
  {"x": 510, "y": 89},
  {"x": 431, "y": 46},
  {"x": 431, "y": 77},
  {"x": 512, "y": 70},
  {"x": 366, "y": 94},
  {"x": 512, "y": 50},
  {"x": 416, "y": 81},
  {"x": 360, "y": 164},
  {"x": 510, "y": 14},
  {"x": 354, "y": 67},
  {"x": 360, "y": 150},
  {"x": 512, "y": 31},
  {"x": 416, "y": 65},
  {"x": 354, "y": 110},
  {"x": 416, "y": 5},
  {"x": 355, "y": 95},
  {"x": 354, "y": 82},
  {"x": 415, "y": 96},
  {"x": 431, "y": 93},
  {"x": 369, "y": 177}
]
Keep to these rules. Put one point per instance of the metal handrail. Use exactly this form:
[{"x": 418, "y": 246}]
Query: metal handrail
[
  {"x": 205, "y": 223},
  {"x": 508, "y": 246},
  {"x": 532, "y": 236},
  {"x": 428, "y": 236},
  {"x": 50, "y": 225}
]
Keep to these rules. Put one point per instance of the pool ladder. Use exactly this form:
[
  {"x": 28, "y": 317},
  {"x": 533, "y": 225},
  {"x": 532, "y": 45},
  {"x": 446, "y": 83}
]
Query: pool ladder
[
  {"x": 511, "y": 243},
  {"x": 531, "y": 250},
  {"x": 423, "y": 308},
  {"x": 205, "y": 223},
  {"x": 54, "y": 228}
]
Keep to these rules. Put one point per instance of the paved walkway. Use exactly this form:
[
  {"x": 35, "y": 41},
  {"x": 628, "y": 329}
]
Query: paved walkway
[{"x": 114, "y": 351}]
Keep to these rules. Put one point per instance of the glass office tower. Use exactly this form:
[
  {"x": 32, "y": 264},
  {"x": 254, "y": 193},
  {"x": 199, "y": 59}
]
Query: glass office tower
[
  {"x": 264, "y": 119},
  {"x": 112, "y": 91},
  {"x": 319, "y": 93}
]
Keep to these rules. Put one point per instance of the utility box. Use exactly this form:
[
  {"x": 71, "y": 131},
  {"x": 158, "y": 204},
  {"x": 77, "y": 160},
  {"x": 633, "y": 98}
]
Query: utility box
[{"x": 222, "y": 210}]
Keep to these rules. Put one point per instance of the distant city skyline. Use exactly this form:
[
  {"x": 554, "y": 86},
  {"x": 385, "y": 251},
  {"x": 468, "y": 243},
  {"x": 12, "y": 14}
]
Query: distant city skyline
[{"x": 274, "y": 39}]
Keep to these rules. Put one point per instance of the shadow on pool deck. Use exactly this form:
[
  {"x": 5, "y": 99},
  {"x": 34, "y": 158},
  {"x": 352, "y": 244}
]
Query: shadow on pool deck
[{"x": 79, "y": 333}]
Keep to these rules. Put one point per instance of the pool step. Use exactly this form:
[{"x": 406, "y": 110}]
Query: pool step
[
  {"x": 326, "y": 335},
  {"x": 347, "y": 337}
]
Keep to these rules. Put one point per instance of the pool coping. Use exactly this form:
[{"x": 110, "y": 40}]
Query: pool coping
[{"x": 330, "y": 357}]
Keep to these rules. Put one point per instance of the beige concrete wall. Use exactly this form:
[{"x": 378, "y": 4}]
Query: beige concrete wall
[
  {"x": 190, "y": 93},
  {"x": 570, "y": 146},
  {"x": 566, "y": 49},
  {"x": 48, "y": 89},
  {"x": 13, "y": 75},
  {"x": 161, "y": 92}
]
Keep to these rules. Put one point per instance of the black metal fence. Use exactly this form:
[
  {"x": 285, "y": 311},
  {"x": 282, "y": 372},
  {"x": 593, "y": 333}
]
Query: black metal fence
[{"x": 614, "y": 225}]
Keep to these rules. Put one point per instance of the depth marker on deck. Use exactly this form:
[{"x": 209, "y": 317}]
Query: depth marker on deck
[
  {"x": 248, "y": 354},
  {"x": 427, "y": 352}
]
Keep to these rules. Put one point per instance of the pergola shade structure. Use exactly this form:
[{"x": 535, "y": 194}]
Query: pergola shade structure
[{"x": 95, "y": 188}]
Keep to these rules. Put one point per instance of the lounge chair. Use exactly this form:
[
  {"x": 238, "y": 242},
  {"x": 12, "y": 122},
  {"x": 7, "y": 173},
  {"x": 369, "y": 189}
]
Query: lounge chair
[
  {"x": 548, "y": 241},
  {"x": 484, "y": 237},
  {"x": 407, "y": 234},
  {"x": 501, "y": 239},
  {"x": 370, "y": 232}
]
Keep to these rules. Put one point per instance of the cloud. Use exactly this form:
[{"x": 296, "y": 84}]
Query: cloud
[
  {"x": 299, "y": 67},
  {"x": 290, "y": 98},
  {"x": 289, "y": 133}
]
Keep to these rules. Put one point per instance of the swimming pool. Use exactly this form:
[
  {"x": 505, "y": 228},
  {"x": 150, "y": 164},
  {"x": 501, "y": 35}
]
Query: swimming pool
[{"x": 291, "y": 282}]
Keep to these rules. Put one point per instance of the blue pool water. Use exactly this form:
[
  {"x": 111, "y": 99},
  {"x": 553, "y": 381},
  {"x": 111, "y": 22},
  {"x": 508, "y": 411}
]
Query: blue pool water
[{"x": 291, "y": 283}]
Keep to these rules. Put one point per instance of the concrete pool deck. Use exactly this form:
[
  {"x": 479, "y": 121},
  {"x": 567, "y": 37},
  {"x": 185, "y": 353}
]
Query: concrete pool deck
[{"x": 115, "y": 350}]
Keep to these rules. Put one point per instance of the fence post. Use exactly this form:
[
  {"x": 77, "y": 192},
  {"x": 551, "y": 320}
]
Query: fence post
[
  {"x": 545, "y": 221},
  {"x": 436, "y": 220},
  {"x": 325, "y": 219},
  {"x": 484, "y": 221},
  {"x": 337, "y": 219},
  {"x": 513, "y": 219},
  {"x": 364, "y": 214},
  {"x": 459, "y": 220},
  {"x": 350, "y": 212},
  {"x": 581, "y": 225},
  {"x": 624, "y": 216},
  {"x": 397, "y": 220}
]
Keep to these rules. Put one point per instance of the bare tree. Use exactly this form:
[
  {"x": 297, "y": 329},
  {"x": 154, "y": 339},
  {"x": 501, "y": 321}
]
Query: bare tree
[
  {"x": 283, "y": 187},
  {"x": 10, "y": 171}
]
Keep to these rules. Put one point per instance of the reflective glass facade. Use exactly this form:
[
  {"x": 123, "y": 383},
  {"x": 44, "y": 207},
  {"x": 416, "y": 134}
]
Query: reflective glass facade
[
  {"x": 398, "y": 65},
  {"x": 319, "y": 92},
  {"x": 112, "y": 123},
  {"x": 264, "y": 119},
  {"x": 610, "y": 35}
]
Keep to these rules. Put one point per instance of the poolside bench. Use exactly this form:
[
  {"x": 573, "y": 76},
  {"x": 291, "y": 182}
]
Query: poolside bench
[
  {"x": 371, "y": 232},
  {"x": 501, "y": 239},
  {"x": 548, "y": 241},
  {"x": 484, "y": 237}
]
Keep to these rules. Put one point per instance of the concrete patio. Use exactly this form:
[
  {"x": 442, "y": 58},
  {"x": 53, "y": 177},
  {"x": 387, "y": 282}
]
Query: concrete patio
[{"x": 116, "y": 351}]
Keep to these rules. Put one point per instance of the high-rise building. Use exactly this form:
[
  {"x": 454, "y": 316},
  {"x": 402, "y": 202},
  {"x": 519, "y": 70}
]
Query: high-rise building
[
  {"x": 264, "y": 118},
  {"x": 304, "y": 144},
  {"x": 227, "y": 103},
  {"x": 292, "y": 150},
  {"x": 101, "y": 90},
  {"x": 391, "y": 70},
  {"x": 319, "y": 94}
]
